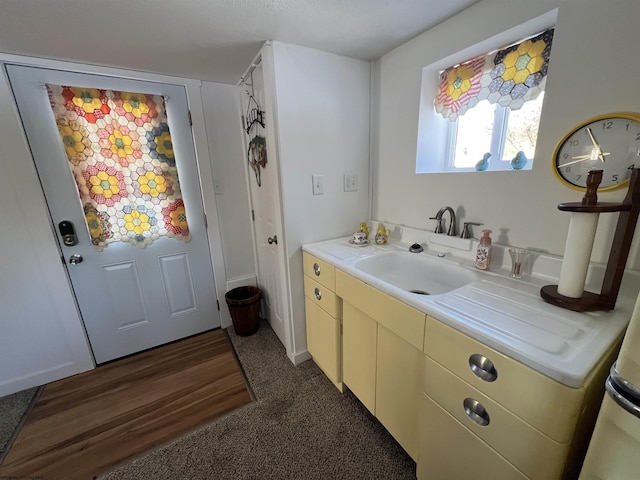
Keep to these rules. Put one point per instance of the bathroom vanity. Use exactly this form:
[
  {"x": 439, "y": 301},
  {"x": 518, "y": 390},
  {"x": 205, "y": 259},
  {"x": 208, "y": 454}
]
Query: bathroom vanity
[{"x": 479, "y": 379}]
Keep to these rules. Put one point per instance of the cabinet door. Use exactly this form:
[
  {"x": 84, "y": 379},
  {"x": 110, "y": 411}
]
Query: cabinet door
[
  {"x": 323, "y": 340},
  {"x": 359, "y": 337},
  {"x": 448, "y": 450},
  {"x": 398, "y": 388}
]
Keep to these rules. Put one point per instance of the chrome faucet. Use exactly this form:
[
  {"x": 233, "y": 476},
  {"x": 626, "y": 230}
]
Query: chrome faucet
[{"x": 452, "y": 222}]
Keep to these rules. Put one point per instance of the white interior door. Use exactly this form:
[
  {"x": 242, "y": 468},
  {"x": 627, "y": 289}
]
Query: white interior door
[
  {"x": 130, "y": 298},
  {"x": 265, "y": 200}
]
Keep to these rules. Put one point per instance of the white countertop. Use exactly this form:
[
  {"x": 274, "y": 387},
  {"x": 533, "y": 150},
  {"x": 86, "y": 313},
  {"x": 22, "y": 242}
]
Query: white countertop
[{"x": 506, "y": 314}]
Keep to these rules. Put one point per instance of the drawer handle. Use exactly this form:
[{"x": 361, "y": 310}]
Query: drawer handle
[
  {"x": 482, "y": 367},
  {"x": 318, "y": 294},
  {"x": 316, "y": 269},
  {"x": 476, "y": 412}
]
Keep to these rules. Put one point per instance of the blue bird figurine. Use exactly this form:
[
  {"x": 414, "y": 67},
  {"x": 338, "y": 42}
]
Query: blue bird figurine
[
  {"x": 483, "y": 164},
  {"x": 519, "y": 161}
]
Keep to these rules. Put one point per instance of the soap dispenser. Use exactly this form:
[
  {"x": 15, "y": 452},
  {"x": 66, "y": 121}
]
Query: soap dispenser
[{"x": 483, "y": 254}]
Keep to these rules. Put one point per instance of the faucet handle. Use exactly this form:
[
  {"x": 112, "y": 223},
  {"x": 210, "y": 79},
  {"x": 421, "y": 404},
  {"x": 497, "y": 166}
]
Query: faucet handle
[
  {"x": 466, "y": 229},
  {"x": 439, "y": 228}
]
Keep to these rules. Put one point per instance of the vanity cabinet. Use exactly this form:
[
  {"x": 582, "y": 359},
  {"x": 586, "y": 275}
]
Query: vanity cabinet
[
  {"x": 522, "y": 419},
  {"x": 323, "y": 316},
  {"x": 382, "y": 356}
]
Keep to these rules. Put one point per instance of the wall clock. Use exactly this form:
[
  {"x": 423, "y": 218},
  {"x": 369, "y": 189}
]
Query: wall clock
[{"x": 609, "y": 142}]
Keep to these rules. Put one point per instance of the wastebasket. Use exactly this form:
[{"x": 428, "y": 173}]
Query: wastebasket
[{"x": 244, "y": 307}]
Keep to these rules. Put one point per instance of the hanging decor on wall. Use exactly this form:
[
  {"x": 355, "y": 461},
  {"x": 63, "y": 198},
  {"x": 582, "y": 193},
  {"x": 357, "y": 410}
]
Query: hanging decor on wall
[
  {"x": 257, "y": 155},
  {"x": 254, "y": 122}
]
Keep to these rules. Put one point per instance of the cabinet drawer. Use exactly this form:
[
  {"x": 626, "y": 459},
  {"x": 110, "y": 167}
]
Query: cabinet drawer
[
  {"x": 323, "y": 341},
  {"x": 319, "y": 270},
  {"x": 322, "y": 296},
  {"x": 522, "y": 445},
  {"x": 547, "y": 405},
  {"x": 401, "y": 319},
  {"x": 450, "y": 451}
]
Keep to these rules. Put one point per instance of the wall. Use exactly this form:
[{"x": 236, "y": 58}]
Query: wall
[
  {"x": 41, "y": 333},
  {"x": 222, "y": 117},
  {"x": 323, "y": 128},
  {"x": 591, "y": 72}
]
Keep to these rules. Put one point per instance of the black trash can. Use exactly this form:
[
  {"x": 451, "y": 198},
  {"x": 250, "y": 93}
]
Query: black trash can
[{"x": 244, "y": 307}]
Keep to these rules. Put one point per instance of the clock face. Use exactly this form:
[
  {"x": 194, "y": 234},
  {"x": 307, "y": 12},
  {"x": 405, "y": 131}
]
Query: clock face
[{"x": 610, "y": 143}]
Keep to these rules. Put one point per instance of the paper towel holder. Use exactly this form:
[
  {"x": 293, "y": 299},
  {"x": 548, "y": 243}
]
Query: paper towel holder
[{"x": 629, "y": 210}]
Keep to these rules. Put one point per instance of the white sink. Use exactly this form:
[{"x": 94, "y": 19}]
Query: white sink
[{"x": 417, "y": 272}]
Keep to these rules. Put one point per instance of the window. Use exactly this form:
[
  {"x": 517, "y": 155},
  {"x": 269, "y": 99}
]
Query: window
[
  {"x": 496, "y": 130},
  {"x": 487, "y": 107}
]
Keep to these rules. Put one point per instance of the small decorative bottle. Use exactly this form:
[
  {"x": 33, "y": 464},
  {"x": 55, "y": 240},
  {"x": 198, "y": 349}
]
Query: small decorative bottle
[
  {"x": 483, "y": 254},
  {"x": 382, "y": 235}
]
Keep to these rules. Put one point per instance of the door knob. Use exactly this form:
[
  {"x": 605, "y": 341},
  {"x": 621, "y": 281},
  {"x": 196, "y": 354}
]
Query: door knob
[
  {"x": 273, "y": 239},
  {"x": 75, "y": 259}
]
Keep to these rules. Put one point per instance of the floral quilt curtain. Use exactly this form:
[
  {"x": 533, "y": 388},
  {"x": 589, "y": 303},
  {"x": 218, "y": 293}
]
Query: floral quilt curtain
[
  {"x": 509, "y": 77},
  {"x": 120, "y": 153}
]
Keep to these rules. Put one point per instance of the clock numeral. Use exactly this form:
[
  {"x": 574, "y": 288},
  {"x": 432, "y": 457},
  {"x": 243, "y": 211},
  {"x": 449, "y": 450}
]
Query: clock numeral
[
  {"x": 565, "y": 156},
  {"x": 614, "y": 178},
  {"x": 607, "y": 125},
  {"x": 568, "y": 169},
  {"x": 637, "y": 136},
  {"x": 574, "y": 143},
  {"x": 578, "y": 177}
]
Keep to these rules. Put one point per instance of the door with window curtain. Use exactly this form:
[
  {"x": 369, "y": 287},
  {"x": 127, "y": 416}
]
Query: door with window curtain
[{"x": 117, "y": 165}]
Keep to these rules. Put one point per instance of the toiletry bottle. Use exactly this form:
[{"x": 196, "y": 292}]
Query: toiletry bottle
[{"x": 483, "y": 254}]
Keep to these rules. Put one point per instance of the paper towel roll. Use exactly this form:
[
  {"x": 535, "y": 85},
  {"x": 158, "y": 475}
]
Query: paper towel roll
[{"x": 577, "y": 253}]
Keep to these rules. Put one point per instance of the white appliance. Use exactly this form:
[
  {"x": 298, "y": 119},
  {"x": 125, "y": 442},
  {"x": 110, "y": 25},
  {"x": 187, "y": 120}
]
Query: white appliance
[{"x": 614, "y": 451}]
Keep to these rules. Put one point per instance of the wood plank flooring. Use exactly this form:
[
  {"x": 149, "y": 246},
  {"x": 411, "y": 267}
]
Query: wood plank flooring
[{"x": 85, "y": 424}]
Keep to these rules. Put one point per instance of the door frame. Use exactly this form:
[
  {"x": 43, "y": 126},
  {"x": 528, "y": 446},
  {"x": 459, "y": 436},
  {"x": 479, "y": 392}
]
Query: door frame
[
  {"x": 265, "y": 59},
  {"x": 201, "y": 146}
]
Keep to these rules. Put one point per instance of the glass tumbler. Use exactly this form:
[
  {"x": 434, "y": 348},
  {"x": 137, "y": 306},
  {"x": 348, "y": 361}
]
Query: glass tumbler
[{"x": 518, "y": 259}]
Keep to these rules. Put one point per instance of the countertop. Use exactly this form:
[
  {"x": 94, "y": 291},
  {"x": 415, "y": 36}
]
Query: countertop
[{"x": 505, "y": 314}]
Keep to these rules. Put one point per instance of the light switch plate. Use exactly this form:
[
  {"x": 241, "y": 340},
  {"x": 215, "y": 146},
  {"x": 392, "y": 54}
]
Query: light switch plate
[
  {"x": 350, "y": 182},
  {"x": 318, "y": 184}
]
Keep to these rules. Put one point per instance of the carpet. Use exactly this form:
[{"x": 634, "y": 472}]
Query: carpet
[
  {"x": 300, "y": 427},
  {"x": 13, "y": 412}
]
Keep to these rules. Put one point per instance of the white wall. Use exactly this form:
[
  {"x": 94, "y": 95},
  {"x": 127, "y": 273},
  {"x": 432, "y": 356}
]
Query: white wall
[
  {"x": 592, "y": 71},
  {"x": 222, "y": 117},
  {"x": 323, "y": 128},
  {"x": 41, "y": 334}
]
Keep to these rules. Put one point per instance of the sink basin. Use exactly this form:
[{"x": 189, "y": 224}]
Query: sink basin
[{"x": 417, "y": 273}]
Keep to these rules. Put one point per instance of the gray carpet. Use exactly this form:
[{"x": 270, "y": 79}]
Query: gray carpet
[
  {"x": 13, "y": 411},
  {"x": 300, "y": 427}
]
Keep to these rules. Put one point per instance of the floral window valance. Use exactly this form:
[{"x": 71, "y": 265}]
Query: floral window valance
[
  {"x": 121, "y": 155},
  {"x": 509, "y": 77}
]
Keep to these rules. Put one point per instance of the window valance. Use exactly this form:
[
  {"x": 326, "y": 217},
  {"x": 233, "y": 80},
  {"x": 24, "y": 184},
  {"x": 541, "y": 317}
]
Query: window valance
[{"x": 509, "y": 77}]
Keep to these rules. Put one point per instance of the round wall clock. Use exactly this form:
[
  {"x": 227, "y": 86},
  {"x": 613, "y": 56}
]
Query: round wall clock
[{"x": 610, "y": 143}]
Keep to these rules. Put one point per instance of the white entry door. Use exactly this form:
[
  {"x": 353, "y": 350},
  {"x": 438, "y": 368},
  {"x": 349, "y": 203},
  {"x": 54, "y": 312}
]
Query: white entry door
[
  {"x": 265, "y": 201},
  {"x": 140, "y": 267}
]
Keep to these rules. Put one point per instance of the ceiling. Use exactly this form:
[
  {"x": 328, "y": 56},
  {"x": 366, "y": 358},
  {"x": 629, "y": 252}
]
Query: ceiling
[{"x": 212, "y": 40}]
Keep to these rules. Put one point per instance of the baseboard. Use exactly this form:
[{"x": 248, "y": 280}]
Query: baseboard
[
  {"x": 298, "y": 358},
  {"x": 241, "y": 282}
]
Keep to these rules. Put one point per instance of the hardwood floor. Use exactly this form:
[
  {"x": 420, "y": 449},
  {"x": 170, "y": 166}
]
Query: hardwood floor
[{"x": 85, "y": 424}]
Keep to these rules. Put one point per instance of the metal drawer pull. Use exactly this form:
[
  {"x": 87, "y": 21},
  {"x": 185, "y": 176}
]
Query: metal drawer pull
[
  {"x": 476, "y": 412},
  {"x": 316, "y": 269},
  {"x": 482, "y": 367},
  {"x": 318, "y": 294}
]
